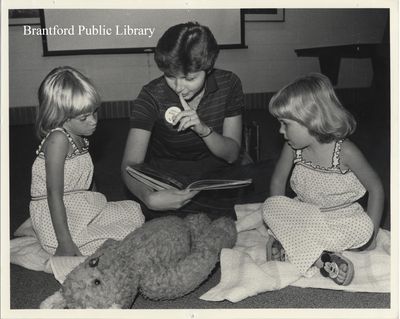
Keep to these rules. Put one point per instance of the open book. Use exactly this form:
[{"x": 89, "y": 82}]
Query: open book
[{"x": 158, "y": 180}]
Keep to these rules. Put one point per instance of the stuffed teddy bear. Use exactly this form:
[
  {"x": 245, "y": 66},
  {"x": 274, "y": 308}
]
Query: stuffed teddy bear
[{"x": 166, "y": 258}]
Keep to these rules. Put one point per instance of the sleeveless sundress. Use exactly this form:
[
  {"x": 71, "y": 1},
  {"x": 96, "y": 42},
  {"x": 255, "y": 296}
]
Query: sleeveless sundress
[
  {"x": 324, "y": 215},
  {"x": 91, "y": 219}
]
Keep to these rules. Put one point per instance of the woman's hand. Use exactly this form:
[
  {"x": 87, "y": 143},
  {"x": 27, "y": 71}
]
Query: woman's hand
[
  {"x": 189, "y": 119},
  {"x": 169, "y": 199},
  {"x": 67, "y": 248},
  {"x": 225, "y": 145}
]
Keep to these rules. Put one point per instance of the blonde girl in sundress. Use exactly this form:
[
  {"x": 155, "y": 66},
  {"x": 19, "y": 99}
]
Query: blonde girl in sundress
[
  {"x": 328, "y": 174},
  {"x": 68, "y": 217}
]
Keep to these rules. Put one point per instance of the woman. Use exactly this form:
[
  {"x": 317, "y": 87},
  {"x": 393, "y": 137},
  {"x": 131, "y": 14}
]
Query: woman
[{"x": 202, "y": 138}]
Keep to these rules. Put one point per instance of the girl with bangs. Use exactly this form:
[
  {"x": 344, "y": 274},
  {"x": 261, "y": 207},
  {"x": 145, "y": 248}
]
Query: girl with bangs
[
  {"x": 329, "y": 175},
  {"x": 68, "y": 216}
]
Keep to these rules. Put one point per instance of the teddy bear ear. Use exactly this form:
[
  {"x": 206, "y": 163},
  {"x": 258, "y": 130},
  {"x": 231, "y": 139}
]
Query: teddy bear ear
[{"x": 55, "y": 301}]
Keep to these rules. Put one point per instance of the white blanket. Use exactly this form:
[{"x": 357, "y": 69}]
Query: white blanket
[
  {"x": 245, "y": 272},
  {"x": 25, "y": 250}
]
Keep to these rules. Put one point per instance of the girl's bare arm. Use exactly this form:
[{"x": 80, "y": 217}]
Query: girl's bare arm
[
  {"x": 355, "y": 160},
  {"x": 281, "y": 172},
  {"x": 55, "y": 150}
]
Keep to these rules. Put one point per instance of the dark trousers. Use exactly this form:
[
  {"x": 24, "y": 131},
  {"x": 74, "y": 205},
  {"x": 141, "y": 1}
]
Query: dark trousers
[{"x": 213, "y": 203}]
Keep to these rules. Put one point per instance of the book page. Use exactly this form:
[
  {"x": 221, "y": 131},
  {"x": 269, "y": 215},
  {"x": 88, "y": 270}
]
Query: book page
[
  {"x": 148, "y": 180},
  {"x": 162, "y": 177},
  {"x": 210, "y": 184}
]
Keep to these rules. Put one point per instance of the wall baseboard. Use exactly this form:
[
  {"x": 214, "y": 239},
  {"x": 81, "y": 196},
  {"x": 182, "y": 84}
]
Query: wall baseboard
[
  {"x": 108, "y": 110},
  {"x": 120, "y": 109}
]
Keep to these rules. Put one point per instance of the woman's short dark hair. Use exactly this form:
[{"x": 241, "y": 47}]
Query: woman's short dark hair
[{"x": 185, "y": 48}]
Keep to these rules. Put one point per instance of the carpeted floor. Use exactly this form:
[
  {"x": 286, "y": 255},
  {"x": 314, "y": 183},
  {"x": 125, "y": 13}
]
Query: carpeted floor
[{"x": 28, "y": 288}]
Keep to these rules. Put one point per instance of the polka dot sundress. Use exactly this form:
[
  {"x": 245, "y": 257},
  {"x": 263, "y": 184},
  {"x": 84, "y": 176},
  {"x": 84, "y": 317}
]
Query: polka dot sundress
[
  {"x": 91, "y": 219},
  {"x": 323, "y": 216}
]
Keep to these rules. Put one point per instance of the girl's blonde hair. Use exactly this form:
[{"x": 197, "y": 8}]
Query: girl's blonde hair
[
  {"x": 64, "y": 94},
  {"x": 312, "y": 102}
]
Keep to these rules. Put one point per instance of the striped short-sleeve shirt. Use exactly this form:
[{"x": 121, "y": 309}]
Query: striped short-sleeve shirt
[{"x": 223, "y": 98}]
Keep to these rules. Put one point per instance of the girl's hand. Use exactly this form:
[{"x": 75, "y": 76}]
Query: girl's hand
[
  {"x": 67, "y": 249},
  {"x": 169, "y": 199},
  {"x": 372, "y": 245},
  {"x": 189, "y": 119}
]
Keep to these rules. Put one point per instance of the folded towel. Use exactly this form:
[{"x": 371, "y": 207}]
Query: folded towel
[
  {"x": 26, "y": 251},
  {"x": 245, "y": 272}
]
